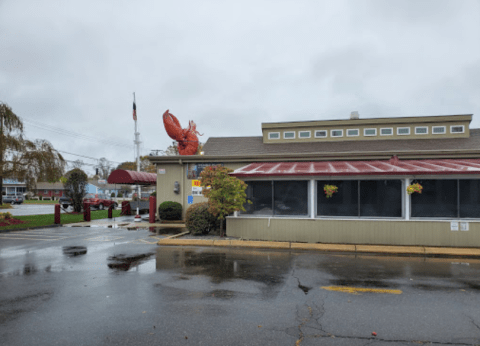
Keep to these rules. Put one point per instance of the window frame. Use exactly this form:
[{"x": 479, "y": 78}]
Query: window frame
[
  {"x": 386, "y": 128},
  {"x": 439, "y": 127},
  {"x": 370, "y": 128},
  {"x": 452, "y": 126},
  {"x": 421, "y": 127},
  {"x": 300, "y": 134},
  {"x": 285, "y": 132},
  {"x": 403, "y": 134},
  {"x": 270, "y": 133},
  {"x": 332, "y": 136},
  {"x": 358, "y": 132},
  {"x": 326, "y": 133}
]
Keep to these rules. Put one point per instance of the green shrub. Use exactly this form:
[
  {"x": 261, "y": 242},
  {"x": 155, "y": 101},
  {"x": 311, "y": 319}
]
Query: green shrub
[
  {"x": 170, "y": 211},
  {"x": 120, "y": 194},
  {"x": 112, "y": 194},
  {"x": 154, "y": 194},
  {"x": 198, "y": 220}
]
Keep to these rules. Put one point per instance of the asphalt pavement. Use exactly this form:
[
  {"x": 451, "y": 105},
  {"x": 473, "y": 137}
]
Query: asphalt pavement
[{"x": 114, "y": 286}]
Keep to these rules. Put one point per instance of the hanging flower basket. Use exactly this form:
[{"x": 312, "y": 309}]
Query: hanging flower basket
[
  {"x": 330, "y": 190},
  {"x": 414, "y": 188}
]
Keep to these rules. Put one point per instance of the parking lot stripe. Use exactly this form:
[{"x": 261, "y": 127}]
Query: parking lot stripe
[{"x": 357, "y": 290}]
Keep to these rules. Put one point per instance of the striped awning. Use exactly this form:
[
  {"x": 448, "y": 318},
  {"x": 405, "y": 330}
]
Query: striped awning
[
  {"x": 122, "y": 176},
  {"x": 394, "y": 166}
]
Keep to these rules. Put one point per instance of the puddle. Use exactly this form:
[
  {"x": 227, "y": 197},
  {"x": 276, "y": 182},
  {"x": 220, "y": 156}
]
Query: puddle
[
  {"x": 126, "y": 262},
  {"x": 72, "y": 251}
]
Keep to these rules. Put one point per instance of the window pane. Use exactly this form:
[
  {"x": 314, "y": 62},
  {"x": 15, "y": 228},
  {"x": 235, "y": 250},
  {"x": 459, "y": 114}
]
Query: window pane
[
  {"x": 337, "y": 133},
  {"x": 291, "y": 197},
  {"x": 352, "y": 132},
  {"x": 456, "y": 129},
  {"x": 289, "y": 135},
  {"x": 370, "y": 132},
  {"x": 320, "y": 133},
  {"x": 274, "y": 135},
  {"x": 438, "y": 199},
  {"x": 381, "y": 198},
  {"x": 304, "y": 134},
  {"x": 470, "y": 198},
  {"x": 260, "y": 194},
  {"x": 342, "y": 203},
  {"x": 386, "y": 131},
  {"x": 421, "y": 130},
  {"x": 438, "y": 129},
  {"x": 403, "y": 130}
]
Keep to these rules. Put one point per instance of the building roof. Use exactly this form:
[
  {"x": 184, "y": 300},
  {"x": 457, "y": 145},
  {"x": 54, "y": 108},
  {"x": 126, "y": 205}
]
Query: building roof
[
  {"x": 394, "y": 166},
  {"x": 50, "y": 186},
  {"x": 241, "y": 146}
]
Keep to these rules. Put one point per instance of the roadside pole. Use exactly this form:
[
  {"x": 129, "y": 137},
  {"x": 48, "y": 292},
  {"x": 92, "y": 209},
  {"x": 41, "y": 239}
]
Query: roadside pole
[{"x": 137, "y": 143}]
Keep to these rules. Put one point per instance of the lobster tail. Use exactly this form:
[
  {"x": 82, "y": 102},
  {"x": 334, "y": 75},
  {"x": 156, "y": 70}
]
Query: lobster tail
[{"x": 187, "y": 138}]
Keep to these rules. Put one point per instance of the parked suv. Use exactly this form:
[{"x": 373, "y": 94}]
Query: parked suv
[
  {"x": 99, "y": 201},
  {"x": 13, "y": 199}
]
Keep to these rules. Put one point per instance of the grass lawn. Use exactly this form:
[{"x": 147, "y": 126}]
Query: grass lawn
[
  {"x": 34, "y": 201},
  {"x": 6, "y": 206},
  {"x": 48, "y": 219}
]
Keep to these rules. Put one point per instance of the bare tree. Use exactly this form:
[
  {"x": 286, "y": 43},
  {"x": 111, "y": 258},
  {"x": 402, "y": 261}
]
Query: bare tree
[
  {"x": 77, "y": 164},
  {"x": 104, "y": 168}
]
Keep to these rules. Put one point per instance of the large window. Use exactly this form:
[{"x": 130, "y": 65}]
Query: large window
[
  {"x": 382, "y": 198},
  {"x": 283, "y": 197},
  {"x": 438, "y": 199},
  {"x": 342, "y": 203},
  {"x": 449, "y": 198},
  {"x": 260, "y": 194},
  {"x": 369, "y": 198}
]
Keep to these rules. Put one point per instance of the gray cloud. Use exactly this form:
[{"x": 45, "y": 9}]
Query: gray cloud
[{"x": 231, "y": 66}]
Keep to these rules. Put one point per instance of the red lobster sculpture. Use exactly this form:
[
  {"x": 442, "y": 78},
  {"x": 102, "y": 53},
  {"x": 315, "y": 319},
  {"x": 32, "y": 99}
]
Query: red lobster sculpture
[{"x": 187, "y": 138}]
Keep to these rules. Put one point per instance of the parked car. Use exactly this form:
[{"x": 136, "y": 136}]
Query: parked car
[
  {"x": 99, "y": 201},
  {"x": 65, "y": 201},
  {"x": 13, "y": 199}
]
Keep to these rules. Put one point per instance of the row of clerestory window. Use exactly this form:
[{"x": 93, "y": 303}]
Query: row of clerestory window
[{"x": 368, "y": 132}]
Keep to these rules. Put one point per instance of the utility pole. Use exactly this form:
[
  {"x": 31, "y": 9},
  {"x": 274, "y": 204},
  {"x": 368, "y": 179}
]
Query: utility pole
[{"x": 137, "y": 143}]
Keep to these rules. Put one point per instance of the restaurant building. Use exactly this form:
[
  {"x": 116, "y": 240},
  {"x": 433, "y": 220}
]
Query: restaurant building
[{"x": 370, "y": 162}]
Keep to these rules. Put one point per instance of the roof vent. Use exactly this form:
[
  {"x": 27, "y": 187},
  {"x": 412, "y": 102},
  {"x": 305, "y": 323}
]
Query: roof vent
[{"x": 354, "y": 115}]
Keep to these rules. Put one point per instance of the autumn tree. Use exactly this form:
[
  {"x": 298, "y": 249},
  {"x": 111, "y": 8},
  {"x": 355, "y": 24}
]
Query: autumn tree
[
  {"x": 104, "y": 168},
  {"x": 75, "y": 186},
  {"x": 23, "y": 159},
  {"x": 145, "y": 165},
  {"x": 172, "y": 150},
  {"x": 226, "y": 194}
]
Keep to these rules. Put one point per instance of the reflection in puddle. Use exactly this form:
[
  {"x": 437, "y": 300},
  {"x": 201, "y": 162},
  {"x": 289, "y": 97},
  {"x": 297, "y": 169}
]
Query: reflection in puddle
[
  {"x": 126, "y": 262},
  {"x": 267, "y": 268},
  {"x": 72, "y": 251}
]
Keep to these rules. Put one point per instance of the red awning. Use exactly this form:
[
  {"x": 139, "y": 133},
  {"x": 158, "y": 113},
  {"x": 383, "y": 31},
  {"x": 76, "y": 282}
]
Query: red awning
[
  {"x": 122, "y": 176},
  {"x": 394, "y": 166}
]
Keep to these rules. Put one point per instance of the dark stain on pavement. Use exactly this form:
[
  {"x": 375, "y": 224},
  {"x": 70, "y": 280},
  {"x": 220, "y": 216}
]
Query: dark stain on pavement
[
  {"x": 126, "y": 262},
  {"x": 72, "y": 251}
]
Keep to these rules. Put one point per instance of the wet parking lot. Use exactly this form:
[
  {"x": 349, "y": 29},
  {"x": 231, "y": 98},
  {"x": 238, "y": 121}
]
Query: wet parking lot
[{"x": 115, "y": 286}]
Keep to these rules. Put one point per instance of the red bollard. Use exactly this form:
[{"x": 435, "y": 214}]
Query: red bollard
[
  {"x": 153, "y": 204},
  {"x": 86, "y": 212},
  {"x": 57, "y": 214},
  {"x": 126, "y": 210},
  {"x": 110, "y": 210}
]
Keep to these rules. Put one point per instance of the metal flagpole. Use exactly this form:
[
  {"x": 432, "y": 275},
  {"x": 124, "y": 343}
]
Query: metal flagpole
[{"x": 137, "y": 142}]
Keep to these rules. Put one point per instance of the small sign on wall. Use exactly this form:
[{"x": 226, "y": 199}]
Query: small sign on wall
[
  {"x": 196, "y": 191},
  {"x": 195, "y": 183},
  {"x": 454, "y": 226},
  {"x": 161, "y": 171},
  {"x": 190, "y": 199},
  {"x": 464, "y": 226}
]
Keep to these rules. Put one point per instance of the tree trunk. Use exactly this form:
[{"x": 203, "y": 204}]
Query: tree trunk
[{"x": 221, "y": 228}]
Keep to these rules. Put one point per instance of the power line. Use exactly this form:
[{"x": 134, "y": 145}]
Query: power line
[{"x": 61, "y": 131}]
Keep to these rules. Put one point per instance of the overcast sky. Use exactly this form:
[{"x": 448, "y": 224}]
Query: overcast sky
[{"x": 69, "y": 68}]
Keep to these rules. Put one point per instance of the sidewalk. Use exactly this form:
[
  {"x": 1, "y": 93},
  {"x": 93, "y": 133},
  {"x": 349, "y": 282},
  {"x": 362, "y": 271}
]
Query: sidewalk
[{"x": 380, "y": 249}]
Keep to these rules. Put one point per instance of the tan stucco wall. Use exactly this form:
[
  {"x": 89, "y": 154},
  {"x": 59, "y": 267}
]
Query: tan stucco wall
[
  {"x": 357, "y": 231},
  {"x": 178, "y": 172}
]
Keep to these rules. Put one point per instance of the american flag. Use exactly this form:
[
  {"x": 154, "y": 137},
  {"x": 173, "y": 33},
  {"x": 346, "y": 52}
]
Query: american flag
[{"x": 134, "y": 111}]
